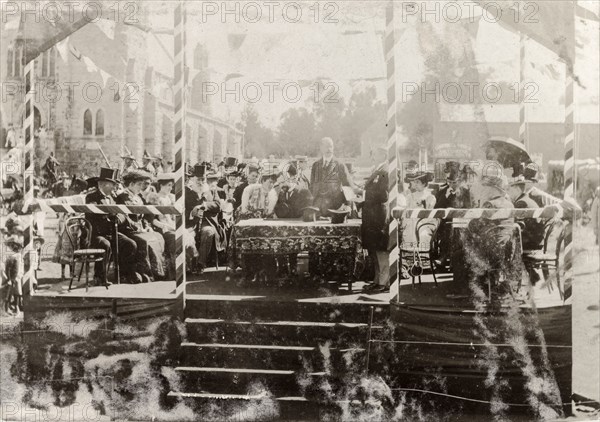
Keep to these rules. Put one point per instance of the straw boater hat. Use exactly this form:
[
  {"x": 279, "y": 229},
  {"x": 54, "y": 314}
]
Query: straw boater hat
[
  {"x": 310, "y": 213},
  {"x": 339, "y": 216},
  {"x": 211, "y": 175},
  {"x": 519, "y": 180},
  {"x": 165, "y": 177}
]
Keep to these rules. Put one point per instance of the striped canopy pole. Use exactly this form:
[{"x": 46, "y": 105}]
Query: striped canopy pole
[
  {"x": 179, "y": 117},
  {"x": 522, "y": 118},
  {"x": 28, "y": 175},
  {"x": 392, "y": 147},
  {"x": 569, "y": 176},
  {"x": 569, "y": 166}
]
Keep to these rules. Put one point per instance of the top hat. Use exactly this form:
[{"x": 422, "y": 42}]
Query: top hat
[
  {"x": 530, "y": 172},
  {"x": 200, "y": 170},
  {"x": 310, "y": 213},
  {"x": 106, "y": 174},
  {"x": 339, "y": 216},
  {"x": 231, "y": 161}
]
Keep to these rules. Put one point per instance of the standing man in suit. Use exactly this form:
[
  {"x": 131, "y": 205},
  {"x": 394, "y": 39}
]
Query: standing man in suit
[
  {"x": 292, "y": 197},
  {"x": 103, "y": 230},
  {"x": 303, "y": 180},
  {"x": 327, "y": 177}
]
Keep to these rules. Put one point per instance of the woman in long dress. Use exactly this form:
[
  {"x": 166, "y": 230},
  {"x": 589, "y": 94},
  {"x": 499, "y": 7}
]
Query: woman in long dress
[
  {"x": 165, "y": 224},
  {"x": 418, "y": 197},
  {"x": 151, "y": 245}
]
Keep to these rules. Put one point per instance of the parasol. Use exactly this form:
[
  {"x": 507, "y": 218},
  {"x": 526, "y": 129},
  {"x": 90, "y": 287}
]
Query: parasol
[{"x": 510, "y": 152}]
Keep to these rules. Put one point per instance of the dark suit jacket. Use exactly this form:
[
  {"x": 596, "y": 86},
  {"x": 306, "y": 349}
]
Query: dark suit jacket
[
  {"x": 237, "y": 194},
  {"x": 102, "y": 225},
  {"x": 459, "y": 199},
  {"x": 192, "y": 199},
  {"x": 291, "y": 207},
  {"x": 533, "y": 228},
  {"x": 374, "y": 229},
  {"x": 326, "y": 184}
]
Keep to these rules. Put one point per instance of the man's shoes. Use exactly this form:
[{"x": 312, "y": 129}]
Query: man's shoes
[
  {"x": 369, "y": 287},
  {"x": 380, "y": 289}
]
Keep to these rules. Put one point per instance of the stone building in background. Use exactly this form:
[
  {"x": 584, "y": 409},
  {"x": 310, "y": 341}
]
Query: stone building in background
[{"x": 109, "y": 86}]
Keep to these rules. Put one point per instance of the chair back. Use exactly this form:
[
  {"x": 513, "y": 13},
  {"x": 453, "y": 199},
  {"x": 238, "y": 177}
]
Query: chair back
[
  {"x": 423, "y": 223},
  {"x": 550, "y": 228},
  {"x": 79, "y": 231}
]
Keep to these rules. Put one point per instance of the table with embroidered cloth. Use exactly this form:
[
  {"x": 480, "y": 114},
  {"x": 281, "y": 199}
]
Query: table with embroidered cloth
[{"x": 288, "y": 236}]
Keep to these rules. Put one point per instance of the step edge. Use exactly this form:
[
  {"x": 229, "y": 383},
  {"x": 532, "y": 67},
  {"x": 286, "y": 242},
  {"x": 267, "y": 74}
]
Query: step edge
[
  {"x": 245, "y": 370},
  {"x": 248, "y": 346}
]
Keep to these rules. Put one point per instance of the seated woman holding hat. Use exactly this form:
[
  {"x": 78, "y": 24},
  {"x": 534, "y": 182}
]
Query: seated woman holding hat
[{"x": 150, "y": 244}]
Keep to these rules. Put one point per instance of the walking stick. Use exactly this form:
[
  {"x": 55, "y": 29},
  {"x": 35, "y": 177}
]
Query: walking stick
[{"x": 116, "y": 251}]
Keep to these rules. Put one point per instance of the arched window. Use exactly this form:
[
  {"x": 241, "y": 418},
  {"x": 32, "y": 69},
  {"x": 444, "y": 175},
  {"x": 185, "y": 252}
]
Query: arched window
[
  {"x": 87, "y": 122},
  {"x": 100, "y": 122}
]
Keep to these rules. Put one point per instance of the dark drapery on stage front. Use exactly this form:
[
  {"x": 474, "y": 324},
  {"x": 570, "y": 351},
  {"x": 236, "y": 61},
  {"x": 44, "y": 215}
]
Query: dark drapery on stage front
[{"x": 516, "y": 355}]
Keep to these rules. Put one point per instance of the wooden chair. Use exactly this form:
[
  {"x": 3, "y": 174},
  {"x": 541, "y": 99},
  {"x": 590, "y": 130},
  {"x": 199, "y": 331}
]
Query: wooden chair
[
  {"x": 419, "y": 250},
  {"x": 548, "y": 257},
  {"x": 82, "y": 253}
]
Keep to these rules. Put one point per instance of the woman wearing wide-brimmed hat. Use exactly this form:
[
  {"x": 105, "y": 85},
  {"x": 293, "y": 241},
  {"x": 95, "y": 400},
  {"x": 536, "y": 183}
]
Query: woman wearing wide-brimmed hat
[{"x": 150, "y": 260}]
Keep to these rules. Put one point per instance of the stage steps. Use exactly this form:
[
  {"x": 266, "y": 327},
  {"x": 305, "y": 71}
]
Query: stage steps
[{"x": 297, "y": 355}]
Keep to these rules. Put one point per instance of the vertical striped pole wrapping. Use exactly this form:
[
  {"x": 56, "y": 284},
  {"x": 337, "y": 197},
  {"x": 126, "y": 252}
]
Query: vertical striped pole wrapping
[
  {"x": 522, "y": 118},
  {"x": 28, "y": 174},
  {"x": 179, "y": 118},
  {"x": 569, "y": 166},
  {"x": 392, "y": 149},
  {"x": 569, "y": 170}
]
